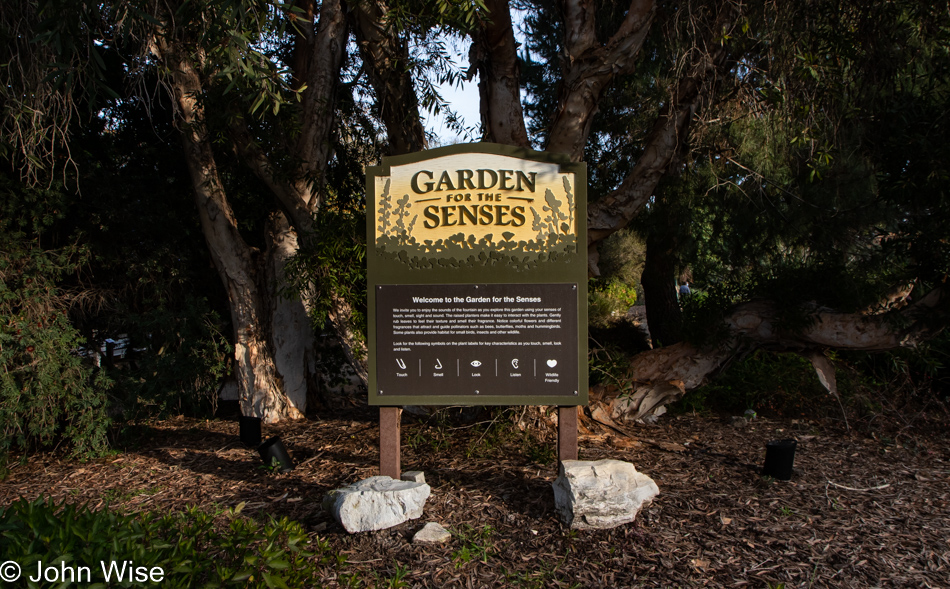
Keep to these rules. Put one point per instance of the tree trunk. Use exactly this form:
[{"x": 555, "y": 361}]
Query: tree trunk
[
  {"x": 386, "y": 56},
  {"x": 290, "y": 330},
  {"x": 590, "y": 67},
  {"x": 318, "y": 57},
  {"x": 659, "y": 288},
  {"x": 665, "y": 140},
  {"x": 236, "y": 262},
  {"x": 494, "y": 55},
  {"x": 256, "y": 367}
]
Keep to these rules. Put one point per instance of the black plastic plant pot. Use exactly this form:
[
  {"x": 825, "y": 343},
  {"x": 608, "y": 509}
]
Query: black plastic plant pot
[
  {"x": 779, "y": 459},
  {"x": 273, "y": 448},
  {"x": 250, "y": 431}
]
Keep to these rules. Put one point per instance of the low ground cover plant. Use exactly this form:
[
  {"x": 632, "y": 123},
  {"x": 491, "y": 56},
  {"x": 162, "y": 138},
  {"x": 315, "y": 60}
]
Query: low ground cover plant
[{"x": 54, "y": 543}]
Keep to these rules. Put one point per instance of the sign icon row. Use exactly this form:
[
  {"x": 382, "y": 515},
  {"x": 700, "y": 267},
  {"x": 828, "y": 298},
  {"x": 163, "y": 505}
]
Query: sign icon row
[{"x": 474, "y": 363}]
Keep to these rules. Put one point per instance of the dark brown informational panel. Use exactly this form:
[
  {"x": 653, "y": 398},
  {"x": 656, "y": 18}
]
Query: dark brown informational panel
[{"x": 477, "y": 277}]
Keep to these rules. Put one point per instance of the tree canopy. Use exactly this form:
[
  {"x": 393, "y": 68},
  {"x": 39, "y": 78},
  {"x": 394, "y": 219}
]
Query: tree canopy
[{"x": 789, "y": 158}]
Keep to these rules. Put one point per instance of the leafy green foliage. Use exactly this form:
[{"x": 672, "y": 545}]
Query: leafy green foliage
[
  {"x": 609, "y": 300},
  {"x": 182, "y": 359},
  {"x": 609, "y": 365},
  {"x": 46, "y": 394},
  {"x": 332, "y": 264},
  {"x": 819, "y": 176},
  {"x": 477, "y": 545},
  {"x": 622, "y": 256},
  {"x": 194, "y": 548}
]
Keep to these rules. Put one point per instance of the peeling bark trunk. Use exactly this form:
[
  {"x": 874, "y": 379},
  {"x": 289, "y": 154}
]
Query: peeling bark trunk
[
  {"x": 663, "y": 375},
  {"x": 313, "y": 144},
  {"x": 386, "y": 56},
  {"x": 303, "y": 25},
  {"x": 494, "y": 55},
  {"x": 318, "y": 57},
  {"x": 236, "y": 262},
  {"x": 290, "y": 331}
]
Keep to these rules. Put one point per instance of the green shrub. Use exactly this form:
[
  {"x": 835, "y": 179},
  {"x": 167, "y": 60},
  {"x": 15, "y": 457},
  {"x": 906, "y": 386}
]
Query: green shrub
[
  {"x": 608, "y": 301},
  {"x": 46, "y": 394},
  {"x": 193, "y": 548},
  {"x": 183, "y": 359},
  {"x": 332, "y": 264},
  {"x": 609, "y": 365}
]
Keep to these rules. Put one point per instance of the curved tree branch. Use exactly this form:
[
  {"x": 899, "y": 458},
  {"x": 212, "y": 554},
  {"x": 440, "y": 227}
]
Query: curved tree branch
[
  {"x": 326, "y": 59},
  {"x": 386, "y": 57},
  {"x": 589, "y": 68},
  {"x": 290, "y": 199},
  {"x": 615, "y": 211},
  {"x": 233, "y": 258}
]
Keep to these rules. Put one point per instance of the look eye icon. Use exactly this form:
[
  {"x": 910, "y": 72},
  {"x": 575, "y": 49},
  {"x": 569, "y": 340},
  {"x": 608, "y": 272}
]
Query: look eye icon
[{"x": 476, "y": 363}]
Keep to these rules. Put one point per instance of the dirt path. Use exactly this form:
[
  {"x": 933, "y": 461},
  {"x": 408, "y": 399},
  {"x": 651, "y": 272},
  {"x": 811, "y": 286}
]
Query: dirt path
[{"x": 860, "y": 511}]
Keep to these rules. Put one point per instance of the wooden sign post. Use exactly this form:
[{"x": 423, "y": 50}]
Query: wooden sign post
[{"x": 477, "y": 284}]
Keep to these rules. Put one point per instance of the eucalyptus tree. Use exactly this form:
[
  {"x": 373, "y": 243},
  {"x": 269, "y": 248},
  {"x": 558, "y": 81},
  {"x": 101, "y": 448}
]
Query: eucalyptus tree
[{"x": 271, "y": 86}]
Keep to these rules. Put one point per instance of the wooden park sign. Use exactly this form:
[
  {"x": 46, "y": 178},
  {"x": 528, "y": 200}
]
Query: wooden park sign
[{"x": 477, "y": 283}]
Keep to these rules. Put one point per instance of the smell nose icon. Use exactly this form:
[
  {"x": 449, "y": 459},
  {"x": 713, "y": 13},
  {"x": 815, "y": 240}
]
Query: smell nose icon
[
  {"x": 401, "y": 364},
  {"x": 438, "y": 364}
]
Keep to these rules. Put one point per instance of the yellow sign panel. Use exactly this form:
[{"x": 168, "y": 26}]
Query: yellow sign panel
[{"x": 476, "y": 201}]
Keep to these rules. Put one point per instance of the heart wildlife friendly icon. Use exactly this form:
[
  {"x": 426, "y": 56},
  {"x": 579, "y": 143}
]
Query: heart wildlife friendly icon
[{"x": 552, "y": 363}]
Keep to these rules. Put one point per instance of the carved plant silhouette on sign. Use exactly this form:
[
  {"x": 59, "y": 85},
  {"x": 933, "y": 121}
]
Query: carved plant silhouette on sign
[{"x": 555, "y": 239}]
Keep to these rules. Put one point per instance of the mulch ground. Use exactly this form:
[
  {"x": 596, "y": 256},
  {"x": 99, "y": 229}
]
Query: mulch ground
[{"x": 862, "y": 510}]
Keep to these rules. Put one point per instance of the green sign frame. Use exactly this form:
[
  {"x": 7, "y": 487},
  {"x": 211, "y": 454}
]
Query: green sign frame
[{"x": 477, "y": 214}]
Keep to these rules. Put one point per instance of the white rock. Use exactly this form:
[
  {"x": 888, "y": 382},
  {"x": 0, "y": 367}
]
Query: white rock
[
  {"x": 376, "y": 503},
  {"x": 601, "y": 494},
  {"x": 432, "y": 533},
  {"x": 416, "y": 476}
]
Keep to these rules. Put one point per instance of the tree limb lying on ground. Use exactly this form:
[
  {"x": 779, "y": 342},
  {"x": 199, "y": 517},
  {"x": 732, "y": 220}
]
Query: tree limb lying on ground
[{"x": 663, "y": 375}]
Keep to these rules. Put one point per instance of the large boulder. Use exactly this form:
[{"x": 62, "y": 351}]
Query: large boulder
[
  {"x": 601, "y": 494},
  {"x": 376, "y": 503}
]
